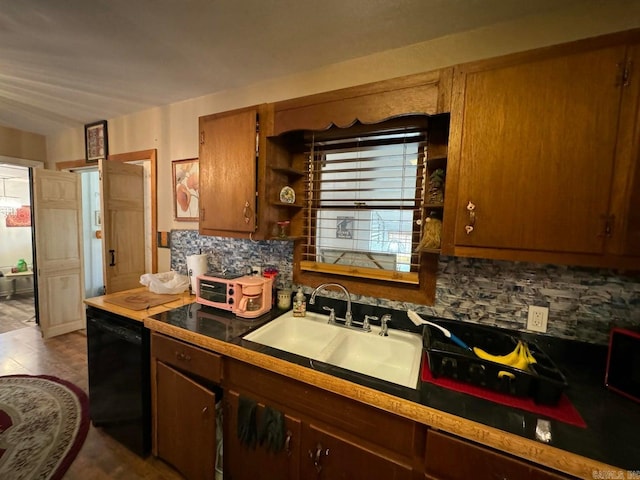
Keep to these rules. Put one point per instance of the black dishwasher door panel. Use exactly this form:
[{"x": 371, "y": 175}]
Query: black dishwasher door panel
[{"x": 119, "y": 378}]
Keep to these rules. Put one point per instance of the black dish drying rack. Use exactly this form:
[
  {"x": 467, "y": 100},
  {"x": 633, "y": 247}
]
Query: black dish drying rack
[{"x": 543, "y": 382}]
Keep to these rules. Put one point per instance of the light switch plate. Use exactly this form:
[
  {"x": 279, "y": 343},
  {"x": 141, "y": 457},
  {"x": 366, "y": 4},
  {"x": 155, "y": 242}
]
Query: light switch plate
[{"x": 537, "y": 319}]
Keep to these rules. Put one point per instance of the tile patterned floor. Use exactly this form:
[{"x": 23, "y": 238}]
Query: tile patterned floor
[{"x": 16, "y": 312}]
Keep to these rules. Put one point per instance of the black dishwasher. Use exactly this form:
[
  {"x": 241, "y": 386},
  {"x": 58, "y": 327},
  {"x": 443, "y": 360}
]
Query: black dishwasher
[{"x": 119, "y": 378}]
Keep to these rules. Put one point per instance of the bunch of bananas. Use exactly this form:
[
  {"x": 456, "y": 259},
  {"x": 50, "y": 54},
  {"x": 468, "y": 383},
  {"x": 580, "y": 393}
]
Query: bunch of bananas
[{"x": 520, "y": 357}]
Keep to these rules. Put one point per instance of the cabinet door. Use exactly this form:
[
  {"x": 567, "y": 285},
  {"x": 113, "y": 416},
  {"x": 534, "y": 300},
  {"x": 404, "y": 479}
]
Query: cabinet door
[
  {"x": 186, "y": 424},
  {"x": 454, "y": 459},
  {"x": 242, "y": 462},
  {"x": 625, "y": 219},
  {"x": 328, "y": 456},
  {"x": 228, "y": 172},
  {"x": 536, "y": 151}
]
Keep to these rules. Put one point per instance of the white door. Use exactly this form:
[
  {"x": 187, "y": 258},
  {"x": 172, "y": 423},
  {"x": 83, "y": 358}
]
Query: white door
[
  {"x": 57, "y": 211},
  {"x": 123, "y": 223}
]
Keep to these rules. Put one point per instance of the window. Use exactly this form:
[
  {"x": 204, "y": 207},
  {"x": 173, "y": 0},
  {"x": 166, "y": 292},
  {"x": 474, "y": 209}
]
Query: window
[{"x": 365, "y": 200}]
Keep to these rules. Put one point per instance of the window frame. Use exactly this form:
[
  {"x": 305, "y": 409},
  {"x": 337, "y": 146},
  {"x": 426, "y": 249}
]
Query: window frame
[{"x": 420, "y": 292}]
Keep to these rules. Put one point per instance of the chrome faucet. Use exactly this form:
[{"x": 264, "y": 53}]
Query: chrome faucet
[
  {"x": 384, "y": 328},
  {"x": 348, "y": 317}
]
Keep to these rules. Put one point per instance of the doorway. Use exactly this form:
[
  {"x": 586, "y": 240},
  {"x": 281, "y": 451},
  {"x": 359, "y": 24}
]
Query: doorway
[
  {"x": 17, "y": 301},
  {"x": 92, "y": 233}
]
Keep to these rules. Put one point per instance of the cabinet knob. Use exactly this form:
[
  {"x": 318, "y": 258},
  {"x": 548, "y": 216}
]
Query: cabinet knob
[
  {"x": 471, "y": 208},
  {"x": 183, "y": 356}
]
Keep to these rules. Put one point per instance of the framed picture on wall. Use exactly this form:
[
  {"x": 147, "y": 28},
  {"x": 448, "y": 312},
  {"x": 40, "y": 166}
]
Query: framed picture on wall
[
  {"x": 96, "y": 141},
  {"x": 185, "y": 174}
]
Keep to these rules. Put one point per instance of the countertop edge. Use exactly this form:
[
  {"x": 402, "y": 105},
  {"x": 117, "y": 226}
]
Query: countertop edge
[{"x": 552, "y": 457}]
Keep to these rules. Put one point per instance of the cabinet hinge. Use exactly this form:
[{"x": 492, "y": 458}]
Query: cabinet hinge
[
  {"x": 202, "y": 137},
  {"x": 623, "y": 76}
]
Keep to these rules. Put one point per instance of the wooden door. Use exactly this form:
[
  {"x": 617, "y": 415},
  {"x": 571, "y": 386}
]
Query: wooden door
[
  {"x": 326, "y": 455},
  {"x": 186, "y": 424},
  {"x": 57, "y": 219},
  {"x": 624, "y": 237},
  {"x": 122, "y": 207},
  {"x": 242, "y": 462},
  {"x": 228, "y": 145},
  {"x": 536, "y": 145}
]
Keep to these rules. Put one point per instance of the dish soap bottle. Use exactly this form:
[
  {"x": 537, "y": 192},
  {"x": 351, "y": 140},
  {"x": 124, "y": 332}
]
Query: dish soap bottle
[{"x": 299, "y": 304}]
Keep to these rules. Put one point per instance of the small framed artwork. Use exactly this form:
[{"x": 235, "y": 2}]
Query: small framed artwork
[
  {"x": 96, "y": 141},
  {"x": 186, "y": 207}
]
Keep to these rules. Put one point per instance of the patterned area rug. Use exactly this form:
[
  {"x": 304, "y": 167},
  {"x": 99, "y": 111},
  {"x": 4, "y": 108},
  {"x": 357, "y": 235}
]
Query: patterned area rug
[{"x": 43, "y": 423}]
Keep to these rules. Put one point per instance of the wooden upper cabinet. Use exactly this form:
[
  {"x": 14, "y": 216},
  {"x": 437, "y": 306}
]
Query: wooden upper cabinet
[
  {"x": 425, "y": 93},
  {"x": 539, "y": 143},
  {"x": 233, "y": 172},
  {"x": 625, "y": 199}
]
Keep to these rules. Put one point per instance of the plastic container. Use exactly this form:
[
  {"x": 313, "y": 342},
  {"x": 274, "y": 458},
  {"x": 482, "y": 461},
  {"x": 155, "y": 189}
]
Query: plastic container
[
  {"x": 22, "y": 265},
  {"x": 543, "y": 382}
]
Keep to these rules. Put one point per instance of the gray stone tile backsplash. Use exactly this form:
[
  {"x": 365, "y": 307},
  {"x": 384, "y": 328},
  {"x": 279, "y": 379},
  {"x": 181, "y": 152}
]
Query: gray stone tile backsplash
[{"x": 584, "y": 303}]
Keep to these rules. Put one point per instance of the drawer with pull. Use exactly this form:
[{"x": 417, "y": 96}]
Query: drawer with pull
[{"x": 186, "y": 357}]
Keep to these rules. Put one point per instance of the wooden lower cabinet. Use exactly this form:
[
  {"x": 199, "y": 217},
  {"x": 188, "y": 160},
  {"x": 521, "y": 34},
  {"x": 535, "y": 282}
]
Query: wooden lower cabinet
[
  {"x": 329, "y": 455},
  {"x": 185, "y": 386},
  {"x": 186, "y": 424},
  {"x": 451, "y": 458},
  {"x": 326, "y": 436},
  {"x": 243, "y": 462},
  {"x": 332, "y": 437}
]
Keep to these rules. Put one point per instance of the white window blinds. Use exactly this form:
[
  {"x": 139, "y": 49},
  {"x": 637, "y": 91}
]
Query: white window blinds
[{"x": 365, "y": 198}]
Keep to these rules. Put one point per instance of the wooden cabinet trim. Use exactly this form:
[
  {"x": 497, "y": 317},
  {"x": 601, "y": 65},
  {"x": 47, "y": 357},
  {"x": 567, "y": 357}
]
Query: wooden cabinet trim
[
  {"x": 425, "y": 93},
  {"x": 551, "y": 51},
  {"x": 408, "y": 81}
]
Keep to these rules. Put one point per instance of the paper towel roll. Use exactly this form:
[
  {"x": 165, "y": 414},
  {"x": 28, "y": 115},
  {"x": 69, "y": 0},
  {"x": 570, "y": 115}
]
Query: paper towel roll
[{"x": 196, "y": 265}]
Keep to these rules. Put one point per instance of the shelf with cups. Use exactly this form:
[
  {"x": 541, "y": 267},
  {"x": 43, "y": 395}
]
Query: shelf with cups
[
  {"x": 282, "y": 231},
  {"x": 286, "y": 184}
]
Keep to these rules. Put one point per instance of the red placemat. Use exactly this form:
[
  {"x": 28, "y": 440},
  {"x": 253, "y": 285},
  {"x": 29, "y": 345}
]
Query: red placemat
[{"x": 564, "y": 411}]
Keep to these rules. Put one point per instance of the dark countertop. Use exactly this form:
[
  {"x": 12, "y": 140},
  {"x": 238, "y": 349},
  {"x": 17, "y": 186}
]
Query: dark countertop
[{"x": 612, "y": 420}]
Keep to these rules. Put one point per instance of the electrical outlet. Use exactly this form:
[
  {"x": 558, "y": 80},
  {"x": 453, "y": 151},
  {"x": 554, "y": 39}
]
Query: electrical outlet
[{"x": 537, "y": 319}]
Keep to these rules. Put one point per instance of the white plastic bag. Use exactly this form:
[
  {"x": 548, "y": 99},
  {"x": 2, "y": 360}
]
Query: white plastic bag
[{"x": 167, "y": 282}]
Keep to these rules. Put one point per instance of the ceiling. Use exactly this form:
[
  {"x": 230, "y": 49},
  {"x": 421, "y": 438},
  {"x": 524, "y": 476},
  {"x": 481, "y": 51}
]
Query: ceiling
[{"x": 67, "y": 63}]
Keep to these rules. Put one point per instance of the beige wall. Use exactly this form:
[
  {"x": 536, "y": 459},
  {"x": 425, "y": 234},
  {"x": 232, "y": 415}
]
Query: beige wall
[
  {"x": 19, "y": 144},
  {"x": 173, "y": 129}
]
